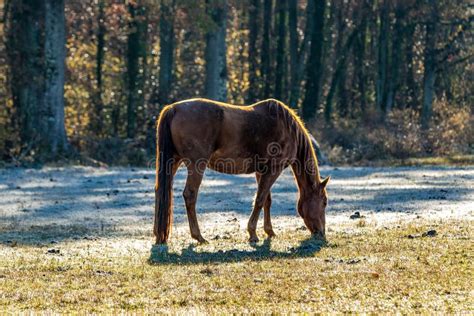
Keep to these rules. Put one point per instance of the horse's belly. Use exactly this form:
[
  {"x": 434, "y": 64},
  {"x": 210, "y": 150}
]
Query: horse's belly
[{"x": 232, "y": 165}]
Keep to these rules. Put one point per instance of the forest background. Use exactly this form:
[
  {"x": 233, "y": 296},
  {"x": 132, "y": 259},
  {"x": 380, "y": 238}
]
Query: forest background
[{"x": 374, "y": 80}]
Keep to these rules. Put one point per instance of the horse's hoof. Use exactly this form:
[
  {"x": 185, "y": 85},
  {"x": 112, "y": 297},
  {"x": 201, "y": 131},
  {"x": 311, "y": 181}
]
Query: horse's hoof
[
  {"x": 202, "y": 241},
  {"x": 253, "y": 239},
  {"x": 271, "y": 234}
]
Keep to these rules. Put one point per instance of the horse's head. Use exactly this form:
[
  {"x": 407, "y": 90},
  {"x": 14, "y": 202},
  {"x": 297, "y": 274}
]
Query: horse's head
[{"x": 312, "y": 208}]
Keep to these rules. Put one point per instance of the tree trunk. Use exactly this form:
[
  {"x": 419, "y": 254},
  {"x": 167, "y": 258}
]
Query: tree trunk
[
  {"x": 55, "y": 56},
  {"x": 303, "y": 51},
  {"x": 429, "y": 75},
  {"x": 166, "y": 51},
  {"x": 339, "y": 74},
  {"x": 359, "y": 57},
  {"x": 215, "y": 53},
  {"x": 136, "y": 61},
  {"x": 97, "y": 119},
  {"x": 314, "y": 67},
  {"x": 343, "y": 98},
  {"x": 25, "y": 58},
  {"x": 37, "y": 50},
  {"x": 253, "y": 52},
  {"x": 397, "y": 42},
  {"x": 382, "y": 59},
  {"x": 410, "y": 98},
  {"x": 340, "y": 17},
  {"x": 293, "y": 30},
  {"x": 280, "y": 72},
  {"x": 115, "y": 118},
  {"x": 266, "y": 56}
]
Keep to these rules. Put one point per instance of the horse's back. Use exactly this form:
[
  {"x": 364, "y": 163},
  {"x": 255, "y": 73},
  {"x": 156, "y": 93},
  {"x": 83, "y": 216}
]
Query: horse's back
[{"x": 207, "y": 129}]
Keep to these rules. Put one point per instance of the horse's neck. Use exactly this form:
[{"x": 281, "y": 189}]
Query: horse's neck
[{"x": 305, "y": 166}]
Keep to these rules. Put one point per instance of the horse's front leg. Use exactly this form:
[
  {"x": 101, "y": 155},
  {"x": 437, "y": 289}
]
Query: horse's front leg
[
  {"x": 190, "y": 194},
  {"x": 267, "y": 222},
  {"x": 264, "y": 186}
]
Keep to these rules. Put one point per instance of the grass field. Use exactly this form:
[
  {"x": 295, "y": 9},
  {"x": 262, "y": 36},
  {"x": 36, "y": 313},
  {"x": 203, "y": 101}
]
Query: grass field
[{"x": 363, "y": 268}]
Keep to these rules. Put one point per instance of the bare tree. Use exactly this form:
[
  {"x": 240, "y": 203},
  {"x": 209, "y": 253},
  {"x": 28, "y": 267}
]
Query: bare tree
[
  {"x": 37, "y": 50},
  {"x": 166, "y": 50},
  {"x": 265, "y": 52},
  {"x": 216, "y": 50},
  {"x": 253, "y": 51},
  {"x": 98, "y": 117},
  {"x": 315, "y": 62},
  {"x": 136, "y": 61},
  {"x": 280, "y": 71},
  {"x": 298, "y": 63}
]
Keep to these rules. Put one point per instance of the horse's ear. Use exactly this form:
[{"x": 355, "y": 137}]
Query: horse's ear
[{"x": 325, "y": 182}]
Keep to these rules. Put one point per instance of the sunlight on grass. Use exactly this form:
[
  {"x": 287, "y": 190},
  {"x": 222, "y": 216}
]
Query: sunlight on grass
[
  {"x": 451, "y": 160},
  {"x": 362, "y": 268}
]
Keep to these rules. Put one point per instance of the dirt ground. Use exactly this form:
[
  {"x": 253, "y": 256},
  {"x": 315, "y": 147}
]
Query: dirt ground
[{"x": 97, "y": 200}]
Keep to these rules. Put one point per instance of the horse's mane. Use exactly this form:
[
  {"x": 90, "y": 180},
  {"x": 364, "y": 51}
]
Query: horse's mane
[{"x": 305, "y": 151}]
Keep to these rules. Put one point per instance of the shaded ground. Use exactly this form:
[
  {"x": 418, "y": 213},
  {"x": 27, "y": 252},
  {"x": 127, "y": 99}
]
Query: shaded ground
[{"x": 120, "y": 200}]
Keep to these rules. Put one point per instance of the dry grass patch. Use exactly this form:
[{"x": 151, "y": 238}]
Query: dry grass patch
[{"x": 363, "y": 268}]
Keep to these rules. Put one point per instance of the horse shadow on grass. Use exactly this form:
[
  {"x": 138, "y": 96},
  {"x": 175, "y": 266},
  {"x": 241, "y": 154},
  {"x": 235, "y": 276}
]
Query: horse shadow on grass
[{"x": 160, "y": 255}]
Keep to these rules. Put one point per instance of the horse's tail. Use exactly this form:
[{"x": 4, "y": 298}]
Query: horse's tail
[{"x": 164, "y": 176}]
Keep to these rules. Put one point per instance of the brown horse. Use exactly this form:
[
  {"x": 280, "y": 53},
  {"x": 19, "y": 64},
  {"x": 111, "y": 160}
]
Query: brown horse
[{"x": 264, "y": 138}]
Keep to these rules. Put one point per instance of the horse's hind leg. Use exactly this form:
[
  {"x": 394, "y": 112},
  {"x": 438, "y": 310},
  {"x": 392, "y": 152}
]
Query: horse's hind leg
[
  {"x": 267, "y": 222},
  {"x": 264, "y": 185},
  {"x": 190, "y": 194}
]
